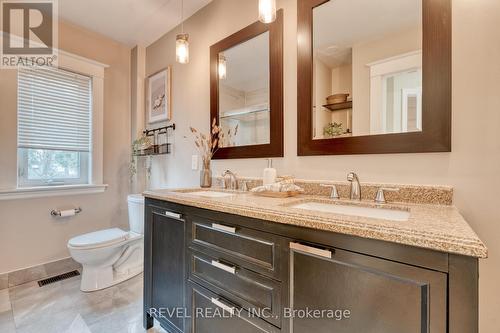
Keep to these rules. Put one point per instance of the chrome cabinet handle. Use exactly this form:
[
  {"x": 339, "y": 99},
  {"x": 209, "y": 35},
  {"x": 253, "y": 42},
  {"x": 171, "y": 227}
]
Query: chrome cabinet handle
[
  {"x": 171, "y": 214},
  {"x": 224, "y": 228},
  {"x": 311, "y": 250},
  {"x": 223, "y": 306},
  {"x": 224, "y": 267}
]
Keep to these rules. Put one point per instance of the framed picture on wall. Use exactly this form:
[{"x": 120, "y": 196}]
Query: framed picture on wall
[{"x": 159, "y": 96}]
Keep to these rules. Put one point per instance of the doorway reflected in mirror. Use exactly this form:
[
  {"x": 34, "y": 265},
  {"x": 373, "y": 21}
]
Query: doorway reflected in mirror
[{"x": 367, "y": 68}]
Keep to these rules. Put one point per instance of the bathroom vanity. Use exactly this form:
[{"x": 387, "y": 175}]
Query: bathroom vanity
[{"x": 235, "y": 262}]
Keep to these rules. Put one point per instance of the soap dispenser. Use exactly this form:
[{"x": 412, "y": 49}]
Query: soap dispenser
[{"x": 269, "y": 176}]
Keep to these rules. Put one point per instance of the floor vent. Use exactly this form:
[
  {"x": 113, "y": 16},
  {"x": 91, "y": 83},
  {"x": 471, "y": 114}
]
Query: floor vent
[{"x": 61, "y": 277}]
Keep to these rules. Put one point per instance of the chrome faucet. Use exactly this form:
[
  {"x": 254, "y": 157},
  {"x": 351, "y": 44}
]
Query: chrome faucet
[
  {"x": 232, "y": 183},
  {"x": 355, "y": 193}
]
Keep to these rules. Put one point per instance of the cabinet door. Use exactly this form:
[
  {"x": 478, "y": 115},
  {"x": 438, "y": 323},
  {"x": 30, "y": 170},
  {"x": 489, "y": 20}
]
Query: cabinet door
[
  {"x": 168, "y": 273},
  {"x": 357, "y": 293}
]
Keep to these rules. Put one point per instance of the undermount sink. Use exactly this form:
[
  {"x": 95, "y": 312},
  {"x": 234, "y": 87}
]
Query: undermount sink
[
  {"x": 355, "y": 210},
  {"x": 211, "y": 194}
]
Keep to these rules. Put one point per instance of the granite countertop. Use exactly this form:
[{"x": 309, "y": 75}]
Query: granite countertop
[{"x": 435, "y": 227}]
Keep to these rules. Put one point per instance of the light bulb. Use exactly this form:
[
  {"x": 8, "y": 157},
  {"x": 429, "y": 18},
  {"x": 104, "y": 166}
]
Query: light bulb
[
  {"x": 222, "y": 67},
  {"x": 182, "y": 48},
  {"x": 267, "y": 11}
]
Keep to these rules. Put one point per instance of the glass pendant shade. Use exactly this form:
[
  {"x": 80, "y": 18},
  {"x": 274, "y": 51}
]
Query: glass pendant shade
[
  {"x": 222, "y": 67},
  {"x": 267, "y": 11},
  {"x": 182, "y": 48}
]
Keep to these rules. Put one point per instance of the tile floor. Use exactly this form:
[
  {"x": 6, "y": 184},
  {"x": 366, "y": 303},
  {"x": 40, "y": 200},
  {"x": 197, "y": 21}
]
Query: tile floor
[{"x": 62, "y": 308}]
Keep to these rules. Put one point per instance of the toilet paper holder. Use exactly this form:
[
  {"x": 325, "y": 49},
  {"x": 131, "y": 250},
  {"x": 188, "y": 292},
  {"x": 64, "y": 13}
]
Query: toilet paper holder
[{"x": 56, "y": 212}]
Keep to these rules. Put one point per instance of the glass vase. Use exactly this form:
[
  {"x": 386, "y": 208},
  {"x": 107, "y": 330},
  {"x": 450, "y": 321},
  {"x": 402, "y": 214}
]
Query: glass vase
[{"x": 205, "y": 177}]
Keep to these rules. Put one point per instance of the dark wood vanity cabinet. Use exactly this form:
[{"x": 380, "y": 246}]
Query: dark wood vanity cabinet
[{"x": 228, "y": 273}]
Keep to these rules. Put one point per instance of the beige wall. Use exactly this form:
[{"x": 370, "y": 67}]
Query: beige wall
[
  {"x": 322, "y": 88},
  {"x": 28, "y": 234},
  {"x": 472, "y": 168},
  {"x": 342, "y": 83},
  {"x": 368, "y": 52}
]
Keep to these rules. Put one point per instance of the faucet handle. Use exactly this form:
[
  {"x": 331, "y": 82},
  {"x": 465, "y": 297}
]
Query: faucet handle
[
  {"x": 334, "y": 194},
  {"x": 380, "y": 197},
  {"x": 244, "y": 185},
  {"x": 223, "y": 181}
]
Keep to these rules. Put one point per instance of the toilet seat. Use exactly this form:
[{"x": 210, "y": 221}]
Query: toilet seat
[{"x": 97, "y": 239}]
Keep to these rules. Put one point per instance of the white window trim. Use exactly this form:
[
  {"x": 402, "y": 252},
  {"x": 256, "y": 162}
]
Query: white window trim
[
  {"x": 51, "y": 191},
  {"x": 95, "y": 70}
]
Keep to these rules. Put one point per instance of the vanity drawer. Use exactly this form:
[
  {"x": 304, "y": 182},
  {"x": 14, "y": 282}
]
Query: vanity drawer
[
  {"x": 248, "y": 248},
  {"x": 255, "y": 293},
  {"x": 210, "y": 313}
]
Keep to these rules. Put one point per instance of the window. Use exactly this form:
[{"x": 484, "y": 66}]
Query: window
[{"x": 54, "y": 127}]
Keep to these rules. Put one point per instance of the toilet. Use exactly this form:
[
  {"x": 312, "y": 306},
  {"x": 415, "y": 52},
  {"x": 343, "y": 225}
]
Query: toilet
[{"x": 111, "y": 256}]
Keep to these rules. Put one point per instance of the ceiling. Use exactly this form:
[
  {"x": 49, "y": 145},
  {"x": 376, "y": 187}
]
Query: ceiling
[
  {"x": 338, "y": 25},
  {"x": 132, "y": 22}
]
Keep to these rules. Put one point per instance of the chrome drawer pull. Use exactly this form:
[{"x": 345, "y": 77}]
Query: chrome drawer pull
[
  {"x": 171, "y": 214},
  {"x": 311, "y": 250},
  {"x": 223, "y": 306},
  {"x": 227, "y": 268},
  {"x": 224, "y": 228}
]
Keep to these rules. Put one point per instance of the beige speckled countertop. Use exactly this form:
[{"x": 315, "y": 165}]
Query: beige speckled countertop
[{"x": 434, "y": 227}]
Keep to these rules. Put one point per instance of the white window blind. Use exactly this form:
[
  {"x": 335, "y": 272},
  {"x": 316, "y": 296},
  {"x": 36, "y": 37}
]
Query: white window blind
[{"x": 54, "y": 110}]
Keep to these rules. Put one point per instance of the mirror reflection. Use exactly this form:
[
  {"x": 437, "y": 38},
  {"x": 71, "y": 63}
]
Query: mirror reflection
[
  {"x": 244, "y": 112},
  {"x": 367, "y": 72}
]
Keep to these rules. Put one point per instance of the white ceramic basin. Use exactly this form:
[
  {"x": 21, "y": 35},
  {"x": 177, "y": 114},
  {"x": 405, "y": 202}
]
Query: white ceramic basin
[
  {"x": 354, "y": 210},
  {"x": 211, "y": 194}
]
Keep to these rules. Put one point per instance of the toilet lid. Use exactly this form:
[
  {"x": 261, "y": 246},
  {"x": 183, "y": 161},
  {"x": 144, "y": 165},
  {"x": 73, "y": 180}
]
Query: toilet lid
[{"x": 99, "y": 238}]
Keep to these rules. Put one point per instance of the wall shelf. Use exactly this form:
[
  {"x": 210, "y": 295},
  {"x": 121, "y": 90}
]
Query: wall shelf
[
  {"x": 244, "y": 114},
  {"x": 339, "y": 106},
  {"x": 156, "y": 149}
]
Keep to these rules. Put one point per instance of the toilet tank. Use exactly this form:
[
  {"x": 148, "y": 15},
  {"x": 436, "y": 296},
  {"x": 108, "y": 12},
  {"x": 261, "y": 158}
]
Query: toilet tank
[{"x": 136, "y": 213}]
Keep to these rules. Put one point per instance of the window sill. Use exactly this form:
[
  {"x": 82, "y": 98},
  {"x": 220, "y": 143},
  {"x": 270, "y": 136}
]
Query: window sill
[{"x": 50, "y": 191}]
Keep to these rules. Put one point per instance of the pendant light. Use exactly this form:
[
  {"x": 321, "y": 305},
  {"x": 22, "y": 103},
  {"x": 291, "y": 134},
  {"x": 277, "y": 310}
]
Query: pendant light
[
  {"x": 222, "y": 67},
  {"x": 182, "y": 42},
  {"x": 267, "y": 11}
]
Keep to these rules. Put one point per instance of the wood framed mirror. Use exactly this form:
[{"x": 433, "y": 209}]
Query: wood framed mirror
[
  {"x": 246, "y": 91},
  {"x": 374, "y": 77}
]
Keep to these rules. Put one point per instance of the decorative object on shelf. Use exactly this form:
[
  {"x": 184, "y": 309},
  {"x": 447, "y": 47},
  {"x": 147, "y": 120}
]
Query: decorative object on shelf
[
  {"x": 267, "y": 11},
  {"x": 159, "y": 96},
  {"x": 139, "y": 145},
  {"x": 337, "y": 98},
  {"x": 182, "y": 42},
  {"x": 333, "y": 129}
]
